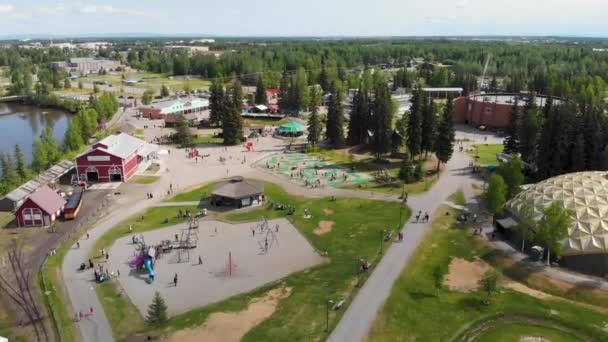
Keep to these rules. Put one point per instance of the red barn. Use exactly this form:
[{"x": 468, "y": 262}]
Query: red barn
[
  {"x": 41, "y": 209},
  {"x": 115, "y": 159}
]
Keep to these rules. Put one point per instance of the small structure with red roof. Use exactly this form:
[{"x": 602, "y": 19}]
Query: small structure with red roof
[
  {"x": 40, "y": 209},
  {"x": 272, "y": 93}
]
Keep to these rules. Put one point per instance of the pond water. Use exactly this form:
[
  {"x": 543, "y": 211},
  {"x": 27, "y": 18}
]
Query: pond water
[{"x": 21, "y": 124}]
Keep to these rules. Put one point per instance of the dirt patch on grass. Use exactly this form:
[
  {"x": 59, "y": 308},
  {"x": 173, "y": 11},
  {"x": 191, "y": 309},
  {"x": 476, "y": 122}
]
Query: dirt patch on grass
[
  {"x": 324, "y": 227},
  {"x": 464, "y": 275},
  {"x": 228, "y": 327},
  {"x": 327, "y": 211},
  {"x": 519, "y": 287},
  {"x": 533, "y": 339}
]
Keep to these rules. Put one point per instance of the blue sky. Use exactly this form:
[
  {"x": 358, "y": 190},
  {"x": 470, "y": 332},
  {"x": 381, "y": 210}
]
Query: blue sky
[{"x": 307, "y": 18}]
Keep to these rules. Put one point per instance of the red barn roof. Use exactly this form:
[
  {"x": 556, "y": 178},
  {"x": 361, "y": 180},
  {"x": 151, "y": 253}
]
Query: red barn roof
[{"x": 47, "y": 200}]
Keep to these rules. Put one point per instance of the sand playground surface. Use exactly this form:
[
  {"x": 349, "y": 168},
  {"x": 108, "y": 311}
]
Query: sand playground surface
[
  {"x": 232, "y": 326},
  {"x": 251, "y": 266},
  {"x": 464, "y": 275}
]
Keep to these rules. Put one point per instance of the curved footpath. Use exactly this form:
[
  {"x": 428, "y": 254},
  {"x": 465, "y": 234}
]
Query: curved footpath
[{"x": 360, "y": 315}]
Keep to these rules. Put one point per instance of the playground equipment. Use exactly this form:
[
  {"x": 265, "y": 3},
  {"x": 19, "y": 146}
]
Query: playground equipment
[
  {"x": 382, "y": 176},
  {"x": 145, "y": 256},
  {"x": 188, "y": 240},
  {"x": 193, "y": 153},
  {"x": 249, "y": 146},
  {"x": 269, "y": 239},
  {"x": 230, "y": 266}
]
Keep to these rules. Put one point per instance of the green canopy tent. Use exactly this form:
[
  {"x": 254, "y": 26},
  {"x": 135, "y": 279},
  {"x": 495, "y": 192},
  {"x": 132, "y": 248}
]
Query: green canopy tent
[{"x": 292, "y": 128}]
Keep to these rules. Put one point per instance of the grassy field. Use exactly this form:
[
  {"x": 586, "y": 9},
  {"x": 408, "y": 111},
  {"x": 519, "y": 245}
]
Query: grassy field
[
  {"x": 248, "y": 122},
  {"x": 365, "y": 163},
  {"x": 149, "y": 80},
  {"x": 144, "y": 179},
  {"x": 418, "y": 310},
  {"x": 516, "y": 331},
  {"x": 205, "y": 139},
  {"x": 357, "y": 233},
  {"x": 194, "y": 195},
  {"x": 487, "y": 154}
]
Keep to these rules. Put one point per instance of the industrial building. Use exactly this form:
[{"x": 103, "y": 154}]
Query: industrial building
[
  {"x": 86, "y": 65},
  {"x": 490, "y": 110}
]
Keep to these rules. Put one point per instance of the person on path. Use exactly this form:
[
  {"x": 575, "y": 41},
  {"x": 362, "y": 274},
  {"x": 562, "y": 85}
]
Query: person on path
[
  {"x": 252, "y": 232},
  {"x": 176, "y": 237},
  {"x": 88, "y": 236},
  {"x": 91, "y": 311},
  {"x": 118, "y": 272},
  {"x": 171, "y": 186},
  {"x": 77, "y": 244},
  {"x": 175, "y": 280},
  {"x": 107, "y": 256},
  {"x": 417, "y": 218},
  {"x": 266, "y": 244},
  {"x": 130, "y": 228},
  {"x": 200, "y": 260}
]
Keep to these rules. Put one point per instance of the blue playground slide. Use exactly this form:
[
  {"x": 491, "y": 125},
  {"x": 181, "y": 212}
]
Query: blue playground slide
[{"x": 150, "y": 270}]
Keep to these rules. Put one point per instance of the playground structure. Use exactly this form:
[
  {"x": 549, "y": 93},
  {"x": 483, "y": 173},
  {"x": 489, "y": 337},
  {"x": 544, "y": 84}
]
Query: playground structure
[
  {"x": 382, "y": 176},
  {"x": 188, "y": 240},
  {"x": 312, "y": 172},
  {"x": 268, "y": 236},
  {"x": 231, "y": 262},
  {"x": 145, "y": 257},
  {"x": 249, "y": 146}
]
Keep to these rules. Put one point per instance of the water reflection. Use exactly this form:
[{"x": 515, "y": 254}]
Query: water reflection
[{"x": 20, "y": 124}]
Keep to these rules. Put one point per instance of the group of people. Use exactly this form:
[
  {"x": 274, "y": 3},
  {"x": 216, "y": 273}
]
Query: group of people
[{"x": 422, "y": 218}]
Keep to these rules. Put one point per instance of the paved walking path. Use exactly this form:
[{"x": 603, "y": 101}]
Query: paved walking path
[{"x": 360, "y": 315}]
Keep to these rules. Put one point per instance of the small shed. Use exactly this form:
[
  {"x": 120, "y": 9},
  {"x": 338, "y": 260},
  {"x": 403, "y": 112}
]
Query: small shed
[
  {"x": 238, "y": 192},
  {"x": 40, "y": 209}
]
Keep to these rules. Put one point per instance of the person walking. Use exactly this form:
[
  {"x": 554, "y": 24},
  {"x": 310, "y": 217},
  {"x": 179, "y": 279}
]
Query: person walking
[
  {"x": 107, "y": 256},
  {"x": 88, "y": 236},
  {"x": 91, "y": 311},
  {"x": 175, "y": 280},
  {"x": 77, "y": 244},
  {"x": 200, "y": 260}
]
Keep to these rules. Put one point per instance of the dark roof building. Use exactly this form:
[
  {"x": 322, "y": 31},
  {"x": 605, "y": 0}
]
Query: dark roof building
[{"x": 238, "y": 192}]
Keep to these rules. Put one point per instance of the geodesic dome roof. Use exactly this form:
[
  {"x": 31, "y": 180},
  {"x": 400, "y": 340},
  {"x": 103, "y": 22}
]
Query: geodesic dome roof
[{"x": 586, "y": 194}]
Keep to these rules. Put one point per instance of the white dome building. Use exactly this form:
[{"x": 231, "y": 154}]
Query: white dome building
[{"x": 586, "y": 194}]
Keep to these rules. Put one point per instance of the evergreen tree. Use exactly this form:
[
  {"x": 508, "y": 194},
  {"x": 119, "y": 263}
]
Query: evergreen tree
[
  {"x": 217, "y": 103},
  {"x": 489, "y": 283},
  {"x": 88, "y": 123},
  {"x": 314, "y": 123},
  {"x": 358, "y": 125},
  {"x": 444, "y": 139},
  {"x": 578, "y": 153},
  {"x": 406, "y": 171},
  {"x": 20, "y": 165},
  {"x": 232, "y": 124},
  {"x": 67, "y": 84},
  {"x": 157, "y": 311},
  {"x": 382, "y": 120},
  {"x": 592, "y": 138},
  {"x": 511, "y": 142},
  {"x": 529, "y": 133},
  {"x": 299, "y": 90},
  {"x": 414, "y": 131},
  {"x": 324, "y": 80},
  {"x": 261, "y": 97},
  {"x": 284, "y": 101},
  {"x": 164, "y": 91},
  {"x": 10, "y": 176},
  {"x": 335, "y": 117}
]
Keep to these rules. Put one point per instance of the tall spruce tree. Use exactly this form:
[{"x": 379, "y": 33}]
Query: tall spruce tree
[
  {"x": 20, "y": 166},
  {"x": 382, "y": 110},
  {"x": 284, "y": 101},
  {"x": 357, "y": 125},
  {"x": 444, "y": 139},
  {"x": 232, "y": 127},
  {"x": 314, "y": 122},
  {"x": 593, "y": 138},
  {"x": 157, "y": 311},
  {"x": 414, "y": 130},
  {"x": 217, "y": 103},
  {"x": 427, "y": 125},
  {"x": 261, "y": 97},
  {"x": 10, "y": 177},
  {"x": 511, "y": 142},
  {"x": 334, "y": 129},
  {"x": 529, "y": 133},
  {"x": 578, "y": 153}
]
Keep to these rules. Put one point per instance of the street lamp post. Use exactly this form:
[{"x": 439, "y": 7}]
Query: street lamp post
[
  {"x": 382, "y": 239},
  {"x": 327, "y": 304}
]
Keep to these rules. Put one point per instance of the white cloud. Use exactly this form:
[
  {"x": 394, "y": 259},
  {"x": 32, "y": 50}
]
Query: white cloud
[
  {"x": 6, "y": 8},
  {"x": 104, "y": 9},
  {"x": 52, "y": 10},
  {"x": 462, "y": 3},
  {"x": 20, "y": 16}
]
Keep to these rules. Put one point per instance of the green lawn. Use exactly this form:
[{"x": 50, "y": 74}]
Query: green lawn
[
  {"x": 193, "y": 195},
  {"x": 357, "y": 233},
  {"x": 487, "y": 153},
  {"x": 514, "y": 332},
  {"x": 144, "y": 179},
  {"x": 149, "y": 80},
  {"x": 418, "y": 310},
  {"x": 205, "y": 139}
]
